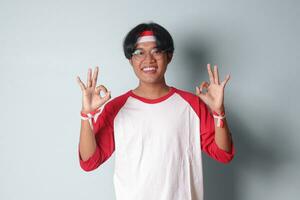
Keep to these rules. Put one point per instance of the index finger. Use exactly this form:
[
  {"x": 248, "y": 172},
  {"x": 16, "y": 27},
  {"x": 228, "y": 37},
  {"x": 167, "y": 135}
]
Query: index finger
[
  {"x": 210, "y": 74},
  {"x": 216, "y": 74},
  {"x": 81, "y": 84},
  {"x": 95, "y": 76}
]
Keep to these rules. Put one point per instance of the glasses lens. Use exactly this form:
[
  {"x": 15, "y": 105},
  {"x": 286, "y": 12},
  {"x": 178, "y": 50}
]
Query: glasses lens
[
  {"x": 157, "y": 54},
  {"x": 139, "y": 54}
]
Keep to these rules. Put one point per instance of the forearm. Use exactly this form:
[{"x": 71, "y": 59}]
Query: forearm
[
  {"x": 87, "y": 143},
  {"x": 223, "y": 136}
]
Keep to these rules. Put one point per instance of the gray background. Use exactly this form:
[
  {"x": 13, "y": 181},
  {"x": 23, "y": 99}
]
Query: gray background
[{"x": 44, "y": 45}]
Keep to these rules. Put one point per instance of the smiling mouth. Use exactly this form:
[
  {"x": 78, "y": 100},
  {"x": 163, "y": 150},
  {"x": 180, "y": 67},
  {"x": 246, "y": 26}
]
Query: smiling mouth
[{"x": 149, "y": 69}]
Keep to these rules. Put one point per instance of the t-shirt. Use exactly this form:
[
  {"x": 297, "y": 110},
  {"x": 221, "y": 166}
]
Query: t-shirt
[{"x": 157, "y": 145}]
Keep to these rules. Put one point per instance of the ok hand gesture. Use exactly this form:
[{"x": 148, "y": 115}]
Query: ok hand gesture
[
  {"x": 214, "y": 97},
  {"x": 91, "y": 99}
]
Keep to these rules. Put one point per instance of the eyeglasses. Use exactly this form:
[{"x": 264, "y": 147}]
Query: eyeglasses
[{"x": 140, "y": 54}]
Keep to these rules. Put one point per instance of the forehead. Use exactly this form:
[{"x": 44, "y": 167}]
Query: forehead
[{"x": 146, "y": 45}]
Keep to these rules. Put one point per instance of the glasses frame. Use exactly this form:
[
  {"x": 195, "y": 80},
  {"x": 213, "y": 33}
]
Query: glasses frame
[{"x": 140, "y": 59}]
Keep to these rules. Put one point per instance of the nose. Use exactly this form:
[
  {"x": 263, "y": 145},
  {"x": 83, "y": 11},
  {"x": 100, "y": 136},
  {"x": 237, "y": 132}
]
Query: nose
[{"x": 150, "y": 56}]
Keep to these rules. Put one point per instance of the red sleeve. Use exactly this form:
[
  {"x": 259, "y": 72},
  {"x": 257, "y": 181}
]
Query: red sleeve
[
  {"x": 207, "y": 134},
  {"x": 103, "y": 129},
  {"x": 104, "y": 135},
  {"x": 207, "y": 128}
]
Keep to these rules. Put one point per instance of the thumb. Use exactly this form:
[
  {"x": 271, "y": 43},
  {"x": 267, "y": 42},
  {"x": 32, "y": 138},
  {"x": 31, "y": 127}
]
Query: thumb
[
  {"x": 97, "y": 90},
  {"x": 200, "y": 94},
  {"x": 107, "y": 95},
  {"x": 105, "y": 98}
]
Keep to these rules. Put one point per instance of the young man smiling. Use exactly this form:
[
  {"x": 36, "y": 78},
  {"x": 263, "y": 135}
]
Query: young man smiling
[{"x": 156, "y": 131}]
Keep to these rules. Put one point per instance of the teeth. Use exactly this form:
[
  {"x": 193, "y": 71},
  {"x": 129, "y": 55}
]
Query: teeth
[{"x": 149, "y": 68}]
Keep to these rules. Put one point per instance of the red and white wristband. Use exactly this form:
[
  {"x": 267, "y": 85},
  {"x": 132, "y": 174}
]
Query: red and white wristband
[
  {"x": 89, "y": 116},
  {"x": 219, "y": 117}
]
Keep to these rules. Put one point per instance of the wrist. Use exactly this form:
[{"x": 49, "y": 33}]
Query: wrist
[
  {"x": 84, "y": 111},
  {"x": 219, "y": 115},
  {"x": 89, "y": 114},
  {"x": 220, "y": 111},
  {"x": 87, "y": 111}
]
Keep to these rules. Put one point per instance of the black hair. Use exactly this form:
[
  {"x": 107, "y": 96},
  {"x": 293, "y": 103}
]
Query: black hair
[{"x": 164, "y": 39}]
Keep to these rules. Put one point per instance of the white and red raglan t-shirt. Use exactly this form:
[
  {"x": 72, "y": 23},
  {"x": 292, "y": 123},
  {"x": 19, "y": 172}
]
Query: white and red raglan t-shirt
[{"x": 157, "y": 145}]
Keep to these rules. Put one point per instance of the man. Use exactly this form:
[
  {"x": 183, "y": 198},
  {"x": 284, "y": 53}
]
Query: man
[{"x": 156, "y": 131}]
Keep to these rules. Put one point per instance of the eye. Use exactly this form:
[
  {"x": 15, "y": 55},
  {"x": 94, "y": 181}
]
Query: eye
[
  {"x": 138, "y": 52},
  {"x": 156, "y": 51}
]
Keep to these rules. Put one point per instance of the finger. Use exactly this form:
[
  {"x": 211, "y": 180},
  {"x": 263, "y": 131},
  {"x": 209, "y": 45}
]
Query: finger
[
  {"x": 89, "y": 74},
  {"x": 95, "y": 76},
  {"x": 107, "y": 95},
  {"x": 225, "y": 81},
  {"x": 200, "y": 94},
  {"x": 216, "y": 74},
  {"x": 101, "y": 88},
  {"x": 81, "y": 84},
  {"x": 197, "y": 91},
  {"x": 210, "y": 74},
  {"x": 203, "y": 85}
]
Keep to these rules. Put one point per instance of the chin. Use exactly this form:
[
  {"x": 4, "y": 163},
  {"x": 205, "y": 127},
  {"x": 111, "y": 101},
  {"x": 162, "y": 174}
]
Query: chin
[
  {"x": 150, "y": 78},
  {"x": 151, "y": 81}
]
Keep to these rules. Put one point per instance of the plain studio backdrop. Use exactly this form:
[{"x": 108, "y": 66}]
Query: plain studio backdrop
[{"x": 44, "y": 45}]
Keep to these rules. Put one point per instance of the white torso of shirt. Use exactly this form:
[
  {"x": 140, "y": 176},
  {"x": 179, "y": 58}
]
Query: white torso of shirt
[{"x": 157, "y": 151}]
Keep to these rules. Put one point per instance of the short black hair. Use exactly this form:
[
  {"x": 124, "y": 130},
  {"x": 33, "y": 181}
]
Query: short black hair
[{"x": 164, "y": 39}]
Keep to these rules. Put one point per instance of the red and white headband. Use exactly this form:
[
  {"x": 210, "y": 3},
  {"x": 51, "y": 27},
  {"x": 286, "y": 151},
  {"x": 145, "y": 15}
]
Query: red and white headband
[{"x": 146, "y": 36}]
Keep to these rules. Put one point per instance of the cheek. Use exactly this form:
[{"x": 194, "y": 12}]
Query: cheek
[
  {"x": 162, "y": 64},
  {"x": 136, "y": 68}
]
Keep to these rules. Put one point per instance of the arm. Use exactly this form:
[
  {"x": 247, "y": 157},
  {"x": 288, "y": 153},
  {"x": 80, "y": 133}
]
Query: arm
[
  {"x": 87, "y": 141},
  {"x": 212, "y": 138},
  {"x": 216, "y": 141},
  {"x": 90, "y": 153},
  {"x": 98, "y": 143},
  {"x": 222, "y": 135}
]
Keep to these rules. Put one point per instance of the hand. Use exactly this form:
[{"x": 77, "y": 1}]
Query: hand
[
  {"x": 91, "y": 99},
  {"x": 214, "y": 97}
]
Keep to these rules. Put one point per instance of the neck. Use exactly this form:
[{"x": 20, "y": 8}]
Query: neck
[{"x": 153, "y": 90}]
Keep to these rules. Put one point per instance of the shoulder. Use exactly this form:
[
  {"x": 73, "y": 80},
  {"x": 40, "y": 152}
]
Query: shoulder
[
  {"x": 110, "y": 108},
  {"x": 192, "y": 99},
  {"x": 186, "y": 95},
  {"x": 116, "y": 103}
]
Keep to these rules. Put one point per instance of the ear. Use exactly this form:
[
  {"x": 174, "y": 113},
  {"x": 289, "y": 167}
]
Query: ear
[{"x": 130, "y": 61}]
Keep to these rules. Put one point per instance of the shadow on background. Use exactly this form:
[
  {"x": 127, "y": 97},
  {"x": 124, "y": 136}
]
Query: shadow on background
[{"x": 252, "y": 153}]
